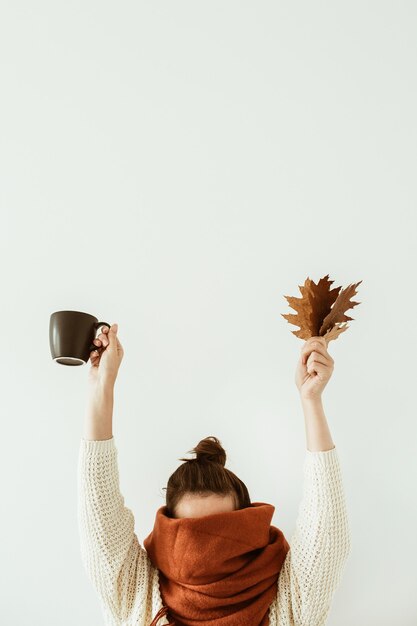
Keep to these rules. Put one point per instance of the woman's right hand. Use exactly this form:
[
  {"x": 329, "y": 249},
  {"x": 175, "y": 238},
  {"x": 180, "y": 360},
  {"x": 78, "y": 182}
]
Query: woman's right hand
[
  {"x": 314, "y": 368},
  {"x": 106, "y": 359}
]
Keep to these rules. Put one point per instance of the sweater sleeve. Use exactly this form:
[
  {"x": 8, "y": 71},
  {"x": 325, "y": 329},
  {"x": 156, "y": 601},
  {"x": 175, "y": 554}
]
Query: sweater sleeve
[
  {"x": 115, "y": 562},
  {"x": 319, "y": 546}
]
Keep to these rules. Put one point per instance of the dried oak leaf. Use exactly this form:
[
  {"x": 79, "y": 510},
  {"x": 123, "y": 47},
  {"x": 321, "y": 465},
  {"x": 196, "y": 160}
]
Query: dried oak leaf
[{"x": 321, "y": 310}]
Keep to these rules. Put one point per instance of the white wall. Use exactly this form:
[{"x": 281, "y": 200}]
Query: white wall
[{"x": 177, "y": 167}]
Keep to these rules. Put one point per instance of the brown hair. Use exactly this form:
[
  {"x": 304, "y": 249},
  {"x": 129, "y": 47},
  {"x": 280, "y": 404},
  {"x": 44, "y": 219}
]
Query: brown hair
[{"x": 205, "y": 474}]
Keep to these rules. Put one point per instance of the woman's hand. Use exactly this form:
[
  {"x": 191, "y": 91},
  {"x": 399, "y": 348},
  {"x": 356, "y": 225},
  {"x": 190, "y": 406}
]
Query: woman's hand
[
  {"x": 106, "y": 359},
  {"x": 314, "y": 368}
]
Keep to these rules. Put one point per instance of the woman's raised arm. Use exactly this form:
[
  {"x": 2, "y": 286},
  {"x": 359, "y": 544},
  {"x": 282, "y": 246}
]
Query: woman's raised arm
[
  {"x": 314, "y": 370},
  {"x": 105, "y": 363}
]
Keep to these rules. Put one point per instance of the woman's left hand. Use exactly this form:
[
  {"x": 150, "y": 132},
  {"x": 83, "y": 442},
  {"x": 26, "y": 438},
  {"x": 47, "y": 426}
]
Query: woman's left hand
[{"x": 314, "y": 368}]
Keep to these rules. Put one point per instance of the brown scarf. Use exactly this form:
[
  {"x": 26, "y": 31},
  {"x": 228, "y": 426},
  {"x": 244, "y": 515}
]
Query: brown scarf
[{"x": 220, "y": 569}]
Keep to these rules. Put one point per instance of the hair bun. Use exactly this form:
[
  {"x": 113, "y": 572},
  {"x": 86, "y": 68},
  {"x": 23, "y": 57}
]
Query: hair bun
[{"x": 209, "y": 450}]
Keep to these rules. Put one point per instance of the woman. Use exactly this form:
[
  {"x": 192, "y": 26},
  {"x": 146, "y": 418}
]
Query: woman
[{"x": 212, "y": 558}]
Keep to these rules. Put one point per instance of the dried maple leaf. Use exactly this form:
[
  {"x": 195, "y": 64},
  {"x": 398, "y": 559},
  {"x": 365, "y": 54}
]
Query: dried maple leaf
[{"x": 321, "y": 310}]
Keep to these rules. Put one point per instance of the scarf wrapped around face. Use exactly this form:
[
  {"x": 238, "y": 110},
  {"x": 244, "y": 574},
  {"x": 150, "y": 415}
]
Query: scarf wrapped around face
[{"x": 220, "y": 569}]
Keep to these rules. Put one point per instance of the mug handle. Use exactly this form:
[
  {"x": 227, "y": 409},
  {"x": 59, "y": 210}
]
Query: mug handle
[{"x": 97, "y": 325}]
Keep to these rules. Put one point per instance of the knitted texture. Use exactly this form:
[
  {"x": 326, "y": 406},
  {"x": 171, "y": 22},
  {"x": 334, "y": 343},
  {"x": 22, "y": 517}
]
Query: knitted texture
[{"x": 127, "y": 583}]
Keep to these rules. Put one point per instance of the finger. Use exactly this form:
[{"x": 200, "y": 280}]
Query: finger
[
  {"x": 314, "y": 352},
  {"x": 317, "y": 338},
  {"x": 314, "y": 358},
  {"x": 94, "y": 356},
  {"x": 315, "y": 341},
  {"x": 318, "y": 358},
  {"x": 102, "y": 338},
  {"x": 112, "y": 336},
  {"x": 314, "y": 346},
  {"x": 316, "y": 366}
]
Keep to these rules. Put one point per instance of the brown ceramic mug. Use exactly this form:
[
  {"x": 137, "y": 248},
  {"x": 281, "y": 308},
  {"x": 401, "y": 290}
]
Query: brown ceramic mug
[{"x": 71, "y": 336}]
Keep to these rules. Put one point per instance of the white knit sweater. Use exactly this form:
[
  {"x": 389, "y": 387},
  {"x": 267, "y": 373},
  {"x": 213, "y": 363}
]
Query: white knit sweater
[{"x": 127, "y": 583}]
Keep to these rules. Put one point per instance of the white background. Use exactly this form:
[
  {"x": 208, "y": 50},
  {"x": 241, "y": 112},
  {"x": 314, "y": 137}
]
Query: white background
[{"x": 179, "y": 167}]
